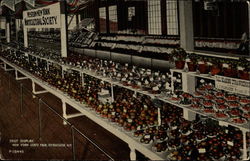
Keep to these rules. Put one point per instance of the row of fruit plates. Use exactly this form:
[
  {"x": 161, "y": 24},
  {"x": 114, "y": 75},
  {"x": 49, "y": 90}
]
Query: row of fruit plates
[{"x": 221, "y": 105}]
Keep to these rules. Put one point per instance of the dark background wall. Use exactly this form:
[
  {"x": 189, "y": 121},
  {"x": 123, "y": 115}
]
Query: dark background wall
[{"x": 229, "y": 21}]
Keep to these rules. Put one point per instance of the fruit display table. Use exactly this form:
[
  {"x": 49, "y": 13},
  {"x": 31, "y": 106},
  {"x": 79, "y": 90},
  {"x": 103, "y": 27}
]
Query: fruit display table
[{"x": 162, "y": 127}]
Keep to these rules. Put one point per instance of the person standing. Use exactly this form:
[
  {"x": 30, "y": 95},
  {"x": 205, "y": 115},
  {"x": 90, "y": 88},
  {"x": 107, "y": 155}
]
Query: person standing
[{"x": 244, "y": 47}]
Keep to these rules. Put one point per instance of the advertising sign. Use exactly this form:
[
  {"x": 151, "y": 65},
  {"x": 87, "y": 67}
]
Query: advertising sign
[
  {"x": 233, "y": 85},
  {"x": 45, "y": 17}
]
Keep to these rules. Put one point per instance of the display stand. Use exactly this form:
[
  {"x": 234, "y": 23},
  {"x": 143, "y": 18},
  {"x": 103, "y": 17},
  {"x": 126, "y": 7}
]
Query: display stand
[
  {"x": 189, "y": 114},
  {"x": 114, "y": 129}
]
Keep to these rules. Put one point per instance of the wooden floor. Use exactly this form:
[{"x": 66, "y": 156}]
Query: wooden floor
[{"x": 23, "y": 123}]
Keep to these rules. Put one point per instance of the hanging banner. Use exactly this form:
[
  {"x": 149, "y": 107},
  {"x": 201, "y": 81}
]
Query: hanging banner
[
  {"x": 237, "y": 86},
  {"x": 45, "y": 17}
]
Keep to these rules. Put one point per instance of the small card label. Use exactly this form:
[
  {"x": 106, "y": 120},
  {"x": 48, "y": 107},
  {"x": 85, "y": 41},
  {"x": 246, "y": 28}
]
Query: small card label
[
  {"x": 208, "y": 63},
  {"x": 155, "y": 88},
  {"x": 225, "y": 65},
  {"x": 240, "y": 68},
  {"x": 130, "y": 120},
  {"x": 202, "y": 150},
  {"x": 174, "y": 127},
  {"x": 230, "y": 143}
]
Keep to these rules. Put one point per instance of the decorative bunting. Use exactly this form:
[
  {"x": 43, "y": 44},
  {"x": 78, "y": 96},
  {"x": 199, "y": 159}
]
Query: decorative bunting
[
  {"x": 31, "y": 2},
  {"x": 73, "y": 5},
  {"x": 9, "y": 3}
]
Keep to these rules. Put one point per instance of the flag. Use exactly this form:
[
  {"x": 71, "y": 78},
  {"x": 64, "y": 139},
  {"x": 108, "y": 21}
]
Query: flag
[{"x": 9, "y": 3}]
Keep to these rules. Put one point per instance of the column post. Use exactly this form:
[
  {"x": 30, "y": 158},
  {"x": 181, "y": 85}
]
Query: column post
[
  {"x": 64, "y": 29},
  {"x": 25, "y": 37},
  {"x": 7, "y": 31},
  {"x": 186, "y": 25}
]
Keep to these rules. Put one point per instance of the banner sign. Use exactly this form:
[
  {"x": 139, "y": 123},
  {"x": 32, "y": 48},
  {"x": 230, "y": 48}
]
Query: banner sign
[
  {"x": 233, "y": 85},
  {"x": 45, "y": 17}
]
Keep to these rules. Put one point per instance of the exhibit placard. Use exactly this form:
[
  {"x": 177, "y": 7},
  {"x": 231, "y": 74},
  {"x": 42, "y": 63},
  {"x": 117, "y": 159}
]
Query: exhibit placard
[
  {"x": 233, "y": 85},
  {"x": 44, "y": 17}
]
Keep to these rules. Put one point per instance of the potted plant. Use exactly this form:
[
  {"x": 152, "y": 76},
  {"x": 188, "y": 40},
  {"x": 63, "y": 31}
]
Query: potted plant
[
  {"x": 179, "y": 56},
  {"x": 230, "y": 68},
  {"x": 192, "y": 62},
  {"x": 244, "y": 69},
  {"x": 216, "y": 66},
  {"x": 203, "y": 66}
]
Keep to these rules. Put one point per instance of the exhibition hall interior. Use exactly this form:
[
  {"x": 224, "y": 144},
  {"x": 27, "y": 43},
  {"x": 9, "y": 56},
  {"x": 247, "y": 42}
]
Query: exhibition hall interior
[{"x": 125, "y": 80}]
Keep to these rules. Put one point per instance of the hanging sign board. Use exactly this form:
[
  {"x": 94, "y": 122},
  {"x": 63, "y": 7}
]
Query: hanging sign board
[
  {"x": 233, "y": 85},
  {"x": 44, "y": 17}
]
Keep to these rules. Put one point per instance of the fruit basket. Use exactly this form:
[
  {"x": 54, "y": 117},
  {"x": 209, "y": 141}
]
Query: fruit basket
[
  {"x": 247, "y": 115},
  {"x": 235, "y": 112},
  {"x": 160, "y": 147},
  {"x": 198, "y": 94},
  {"x": 196, "y": 106},
  {"x": 196, "y": 100},
  {"x": 207, "y": 104},
  {"x": 231, "y": 98},
  {"x": 209, "y": 111},
  {"x": 234, "y": 104},
  {"x": 238, "y": 120},
  {"x": 246, "y": 108},
  {"x": 221, "y": 115},
  {"x": 185, "y": 102},
  {"x": 175, "y": 99},
  {"x": 219, "y": 101},
  {"x": 209, "y": 97},
  {"x": 186, "y": 96},
  {"x": 160, "y": 136},
  {"x": 147, "y": 140},
  {"x": 219, "y": 94},
  {"x": 173, "y": 144},
  {"x": 221, "y": 107},
  {"x": 244, "y": 101}
]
